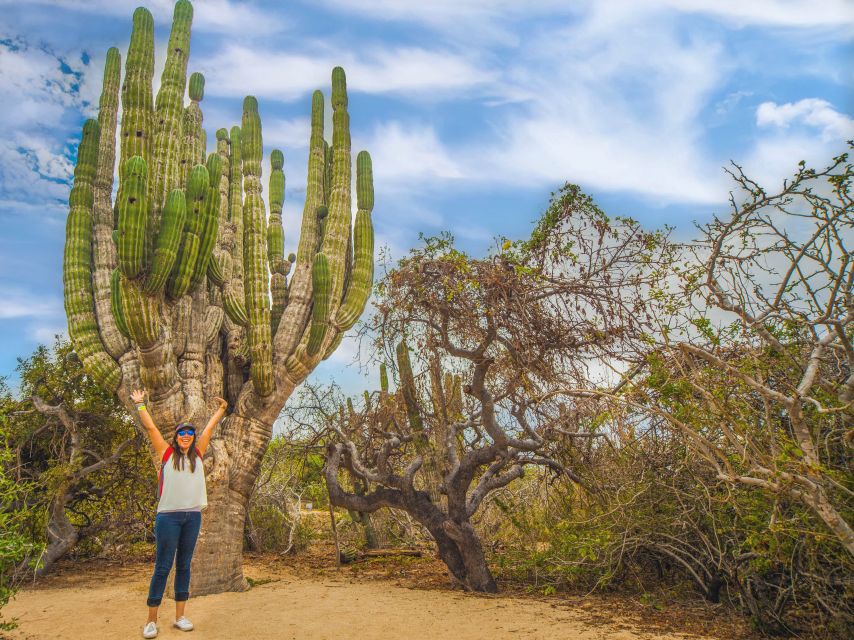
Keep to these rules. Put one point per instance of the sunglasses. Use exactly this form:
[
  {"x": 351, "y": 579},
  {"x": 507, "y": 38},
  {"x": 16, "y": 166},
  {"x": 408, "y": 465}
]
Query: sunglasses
[{"x": 186, "y": 430}]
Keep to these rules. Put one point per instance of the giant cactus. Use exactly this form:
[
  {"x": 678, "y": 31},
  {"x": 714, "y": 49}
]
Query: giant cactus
[{"x": 181, "y": 285}]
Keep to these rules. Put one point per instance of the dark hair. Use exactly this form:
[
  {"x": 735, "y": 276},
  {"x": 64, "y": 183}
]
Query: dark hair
[{"x": 178, "y": 453}]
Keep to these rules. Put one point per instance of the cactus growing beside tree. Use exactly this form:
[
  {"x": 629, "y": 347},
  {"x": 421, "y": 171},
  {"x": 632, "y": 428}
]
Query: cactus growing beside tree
[{"x": 182, "y": 287}]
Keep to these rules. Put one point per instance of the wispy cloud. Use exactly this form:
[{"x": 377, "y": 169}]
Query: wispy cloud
[
  {"x": 450, "y": 13},
  {"x": 241, "y": 70},
  {"x": 217, "y": 16},
  {"x": 20, "y": 303},
  {"x": 405, "y": 155},
  {"x": 813, "y": 112}
]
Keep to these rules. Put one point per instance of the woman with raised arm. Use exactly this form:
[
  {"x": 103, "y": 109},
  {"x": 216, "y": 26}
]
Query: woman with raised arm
[{"x": 179, "y": 513}]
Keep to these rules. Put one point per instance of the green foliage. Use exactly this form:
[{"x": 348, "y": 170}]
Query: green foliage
[
  {"x": 111, "y": 506},
  {"x": 16, "y": 547}
]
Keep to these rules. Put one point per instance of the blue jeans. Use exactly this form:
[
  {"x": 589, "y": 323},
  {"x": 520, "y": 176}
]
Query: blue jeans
[{"x": 175, "y": 533}]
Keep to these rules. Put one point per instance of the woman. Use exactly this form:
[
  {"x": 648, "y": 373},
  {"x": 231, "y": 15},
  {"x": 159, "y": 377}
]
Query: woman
[{"x": 179, "y": 513}]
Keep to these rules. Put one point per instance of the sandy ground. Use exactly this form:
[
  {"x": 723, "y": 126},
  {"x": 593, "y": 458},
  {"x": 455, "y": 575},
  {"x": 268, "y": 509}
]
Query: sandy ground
[{"x": 107, "y": 601}]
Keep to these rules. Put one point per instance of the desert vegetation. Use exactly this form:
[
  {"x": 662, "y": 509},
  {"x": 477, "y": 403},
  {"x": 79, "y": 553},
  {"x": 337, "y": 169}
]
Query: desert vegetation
[{"x": 596, "y": 406}]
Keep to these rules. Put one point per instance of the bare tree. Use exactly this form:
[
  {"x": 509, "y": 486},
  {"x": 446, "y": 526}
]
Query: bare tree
[
  {"x": 514, "y": 328},
  {"x": 762, "y": 387}
]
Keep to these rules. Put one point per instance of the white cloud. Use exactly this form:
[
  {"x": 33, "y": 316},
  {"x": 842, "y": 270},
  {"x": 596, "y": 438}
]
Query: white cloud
[
  {"x": 452, "y": 14},
  {"x": 812, "y": 112},
  {"x": 285, "y": 134},
  {"x": 240, "y": 70},
  {"x": 776, "y": 156},
  {"x": 19, "y": 303},
  {"x": 217, "y": 16},
  {"x": 46, "y": 334},
  {"x": 409, "y": 153},
  {"x": 42, "y": 88},
  {"x": 786, "y": 13}
]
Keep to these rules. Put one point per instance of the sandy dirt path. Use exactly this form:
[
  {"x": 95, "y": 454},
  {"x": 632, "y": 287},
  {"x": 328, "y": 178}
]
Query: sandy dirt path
[{"x": 108, "y": 602}]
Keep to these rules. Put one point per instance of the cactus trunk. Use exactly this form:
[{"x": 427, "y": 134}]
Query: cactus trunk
[{"x": 173, "y": 291}]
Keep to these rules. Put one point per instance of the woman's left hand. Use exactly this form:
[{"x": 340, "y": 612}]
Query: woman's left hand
[{"x": 223, "y": 404}]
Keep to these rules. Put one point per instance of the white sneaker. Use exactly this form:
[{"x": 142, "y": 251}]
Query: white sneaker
[
  {"x": 183, "y": 624},
  {"x": 150, "y": 630}
]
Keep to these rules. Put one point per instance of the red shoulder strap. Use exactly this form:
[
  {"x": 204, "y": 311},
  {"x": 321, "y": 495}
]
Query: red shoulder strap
[{"x": 166, "y": 455}]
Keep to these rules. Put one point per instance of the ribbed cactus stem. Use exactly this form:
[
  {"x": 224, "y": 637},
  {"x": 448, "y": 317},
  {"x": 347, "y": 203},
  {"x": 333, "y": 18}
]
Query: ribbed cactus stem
[
  {"x": 116, "y": 303},
  {"x": 210, "y": 219},
  {"x": 327, "y": 171},
  {"x": 308, "y": 239},
  {"x": 322, "y": 215},
  {"x": 362, "y": 277},
  {"x": 168, "y": 240},
  {"x": 196, "y": 88},
  {"x": 104, "y": 258},
  {"x": 197, "y": 194},
  {"x": 407, "y": 387},
  {"x": 437, "y": 395},
  {"x": 276, "y": 240},
  {"x": 141, "y": 313},
  {"x": 235, "y": 213},
  {"x": 255, "y": 252},
  {"x": 383, "y": 377},
  {"x": 320, "y": 278},
  {"x": 132, "y": 203},
  {"x": 169, "y": 109},
  {"x": 77, "y": 269},
  {"x": 193, "y": 147},
  {"x": 275, "y": 233},
  {"x": 137, "y": 103},
  {"x": 336, "y": 232}
]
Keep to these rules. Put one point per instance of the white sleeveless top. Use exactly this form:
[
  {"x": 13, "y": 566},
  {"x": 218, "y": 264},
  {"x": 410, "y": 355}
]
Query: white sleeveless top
[{"x": 183, "y": 490}]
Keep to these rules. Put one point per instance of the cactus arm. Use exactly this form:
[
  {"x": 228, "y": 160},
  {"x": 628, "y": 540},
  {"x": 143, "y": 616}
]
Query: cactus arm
[
  {"x": 132, "y": 201},
  {"x": 169, "y": 109},
  {"x": 215, "y": 272},
  {"x": 182, "y": 271},
  {"x": 141, "y": 313},
  {"x": 361, "y": 279},
  {"x": 235, "y": 217},
  {"x": 275, "y": 233},
  {"x": 77, "y": 266},
  {"x": 104, "y": 258},
  {"x": 327, "y": 171},
  {"x": 320, "y": 277},
  {"x": 383, "y": 378},
  {"x": 193, "y": 147},
  {"x": 255, "y": 253},
  {"x": 210, "y": 224},
  {"x": 234, "y": 308},
  {"x": 168, "y": 240},
  {"x": 407, "y": 387},
  {"x": 137, "y": 103},
  {"x": 296, "y": 315},
  {"x": 337, "y": 226},
  {"x": 276, "y": 240},
  {"x": 116, "y": 303}
]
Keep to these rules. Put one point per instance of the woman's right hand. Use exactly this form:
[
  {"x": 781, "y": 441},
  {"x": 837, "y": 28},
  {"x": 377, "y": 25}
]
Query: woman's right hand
[{"x": 137, "y": 395}]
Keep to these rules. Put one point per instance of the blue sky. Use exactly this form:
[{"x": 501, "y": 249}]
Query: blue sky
[{"x": 473, "y": 110}]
